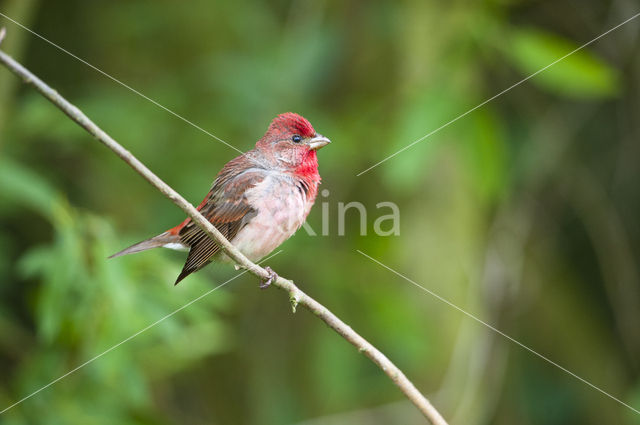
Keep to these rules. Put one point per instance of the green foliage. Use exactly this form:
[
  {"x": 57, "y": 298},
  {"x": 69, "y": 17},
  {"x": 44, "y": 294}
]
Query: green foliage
[
  {"x": 580, "y": 75},
  {"x": 85, "y": 305},
  {"x": 522, "y": 212}
]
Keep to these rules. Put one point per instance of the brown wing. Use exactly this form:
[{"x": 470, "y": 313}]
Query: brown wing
[{"x": 226, "y": 207}]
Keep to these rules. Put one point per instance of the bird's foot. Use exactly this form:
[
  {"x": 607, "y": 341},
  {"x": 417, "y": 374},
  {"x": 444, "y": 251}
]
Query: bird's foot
[{"x": 267, "y": 282}]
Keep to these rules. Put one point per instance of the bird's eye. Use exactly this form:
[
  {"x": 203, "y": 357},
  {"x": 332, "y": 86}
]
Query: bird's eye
[{"x": 296, "y": 138}]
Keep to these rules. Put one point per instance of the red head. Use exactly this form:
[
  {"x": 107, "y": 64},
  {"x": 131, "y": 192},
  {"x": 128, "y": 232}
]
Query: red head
[
  {"x": 292, "y": 142},
  {"x": 289, "y": 124}
]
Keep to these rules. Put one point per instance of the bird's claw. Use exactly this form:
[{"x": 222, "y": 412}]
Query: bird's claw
[{"x": 272, "y": 276}]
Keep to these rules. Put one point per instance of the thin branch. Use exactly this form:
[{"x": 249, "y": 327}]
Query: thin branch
[{"x": 296, "y": 296}]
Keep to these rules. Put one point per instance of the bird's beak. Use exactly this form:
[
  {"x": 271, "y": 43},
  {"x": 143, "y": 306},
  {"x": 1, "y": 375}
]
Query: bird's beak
[{"x": 318, "y": 141}]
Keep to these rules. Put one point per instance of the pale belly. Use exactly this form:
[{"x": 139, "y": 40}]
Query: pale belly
[{"x": 277, "y": 219}]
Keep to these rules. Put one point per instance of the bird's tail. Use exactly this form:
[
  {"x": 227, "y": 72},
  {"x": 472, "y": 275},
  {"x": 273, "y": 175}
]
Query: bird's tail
[{"x": 165, "y": 239}]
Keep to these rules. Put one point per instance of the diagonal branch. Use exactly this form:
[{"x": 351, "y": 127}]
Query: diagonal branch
[{"x": 296, "y": 296}]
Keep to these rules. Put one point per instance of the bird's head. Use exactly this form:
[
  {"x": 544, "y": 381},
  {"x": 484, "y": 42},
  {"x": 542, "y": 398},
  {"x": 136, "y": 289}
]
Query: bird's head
[{"x": 291, "y": 140}]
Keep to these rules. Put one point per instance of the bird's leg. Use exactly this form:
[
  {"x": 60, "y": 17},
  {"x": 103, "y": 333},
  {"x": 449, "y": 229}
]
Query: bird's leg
[{"x": 272, "y": 276}]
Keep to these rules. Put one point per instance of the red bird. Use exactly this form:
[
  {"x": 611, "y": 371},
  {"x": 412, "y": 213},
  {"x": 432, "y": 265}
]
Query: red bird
[{"x": 257, "y": 201}]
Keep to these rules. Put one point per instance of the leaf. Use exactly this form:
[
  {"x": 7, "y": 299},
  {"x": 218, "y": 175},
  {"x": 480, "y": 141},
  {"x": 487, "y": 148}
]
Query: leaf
[
  {"x": 20, "y": 185},
  {"x": 424, "y": 114},
  {"x": 580, "y": 75},
  {"x": 485, "y": 151}
]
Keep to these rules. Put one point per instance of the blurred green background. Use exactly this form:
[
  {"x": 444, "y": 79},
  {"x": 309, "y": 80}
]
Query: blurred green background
[{"x": 524, "y": 212}]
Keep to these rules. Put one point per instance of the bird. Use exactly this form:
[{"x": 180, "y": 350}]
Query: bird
[{"x": 257, "y": 201}]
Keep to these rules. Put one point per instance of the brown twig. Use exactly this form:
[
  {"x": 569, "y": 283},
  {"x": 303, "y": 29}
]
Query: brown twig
[{"x": 296, "y": 296}]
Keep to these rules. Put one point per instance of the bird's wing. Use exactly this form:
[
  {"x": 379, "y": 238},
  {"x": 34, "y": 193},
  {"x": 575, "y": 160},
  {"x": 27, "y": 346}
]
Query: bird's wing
[{"x": 227, "y": 208}]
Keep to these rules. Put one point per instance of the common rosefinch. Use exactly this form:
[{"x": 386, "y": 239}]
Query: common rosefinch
[{"x": 257, "y": 201}]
